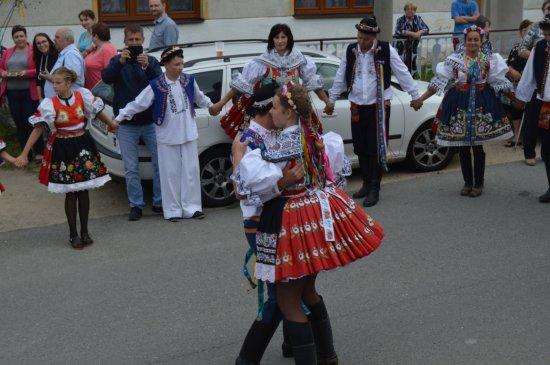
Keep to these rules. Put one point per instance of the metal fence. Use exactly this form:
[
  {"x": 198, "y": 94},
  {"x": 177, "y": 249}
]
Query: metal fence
[{"x": 430, "y": 50}]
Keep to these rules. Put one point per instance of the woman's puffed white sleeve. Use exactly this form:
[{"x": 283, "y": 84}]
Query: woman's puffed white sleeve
[
  {"x": 244, "y": 82},
  {"x": 256, "y": 177},
  {"x": 310, "y": 80},
  {"x": 339, "y": 162},
  {"x": 92, "y": 104},
  {"x": 45, "y": 114},
  {"x": 497, "y": 74},
  {"x": 444, "y": 74}
]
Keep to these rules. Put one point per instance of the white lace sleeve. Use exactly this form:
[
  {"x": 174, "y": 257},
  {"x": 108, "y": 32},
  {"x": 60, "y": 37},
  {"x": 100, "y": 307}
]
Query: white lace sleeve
[
  {"x": 339, "y": 162},
  {"x": 45, "y": 114},
  {"x": 92, "y": 104},
  {"x": 311, "y": 81},
  {"x": 444, "y": 74},
  {"x": 245, "y": 81},
  {"x": 497, "y": 74}
]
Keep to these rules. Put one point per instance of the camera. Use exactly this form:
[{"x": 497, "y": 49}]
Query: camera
[{"x": 135, "y": 51}]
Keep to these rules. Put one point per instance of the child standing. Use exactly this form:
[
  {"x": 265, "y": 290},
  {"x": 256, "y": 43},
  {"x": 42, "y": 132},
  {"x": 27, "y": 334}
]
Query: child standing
[
  {"x": 71, "y": 163},
  {"x": 173, "y": 96}
]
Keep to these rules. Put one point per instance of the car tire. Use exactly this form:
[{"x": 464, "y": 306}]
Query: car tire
[
  {"x": 215, "y": 174},
  {"x": 423, "y": 154}
]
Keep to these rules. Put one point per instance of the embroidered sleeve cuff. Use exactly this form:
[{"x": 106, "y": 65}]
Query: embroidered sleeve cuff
[
  {"x": 502, "y": 85},
  {"x": 437, "y": 85},
  {"x": 240, "y": 84},
  {"x": 314, "y": 83}
]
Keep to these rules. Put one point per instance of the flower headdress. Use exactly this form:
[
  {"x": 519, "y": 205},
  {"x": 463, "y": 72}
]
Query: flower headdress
[
  {"x": 288, "y": 95},
  {"x": 473, "y": 28}
]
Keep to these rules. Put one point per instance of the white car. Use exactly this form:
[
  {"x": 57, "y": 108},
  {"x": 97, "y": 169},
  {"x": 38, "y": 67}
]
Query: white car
[{"x": 410, "y": 135}]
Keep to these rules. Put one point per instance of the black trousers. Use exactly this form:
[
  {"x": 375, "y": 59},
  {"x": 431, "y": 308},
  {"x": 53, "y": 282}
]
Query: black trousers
[
  {"x": 364, "y": 133},
  {"x": 530, "y": 126}
]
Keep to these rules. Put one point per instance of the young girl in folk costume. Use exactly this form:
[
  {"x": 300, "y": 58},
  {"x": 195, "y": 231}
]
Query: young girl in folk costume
[
  {"x": 470, "y": 114},
  {"x": 4, "y": 155},
  {"x": 313, "y": 226},
  {"x": 281, "y": 63},
  {"x": 71, "y": 164}
]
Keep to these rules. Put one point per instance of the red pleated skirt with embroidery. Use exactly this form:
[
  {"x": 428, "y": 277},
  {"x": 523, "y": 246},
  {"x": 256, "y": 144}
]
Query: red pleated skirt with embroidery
[{"x": 293, "y": 244}]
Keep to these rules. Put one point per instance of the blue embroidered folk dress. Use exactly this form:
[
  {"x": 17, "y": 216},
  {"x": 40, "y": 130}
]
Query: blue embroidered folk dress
[{"x": 471, "y": 113}]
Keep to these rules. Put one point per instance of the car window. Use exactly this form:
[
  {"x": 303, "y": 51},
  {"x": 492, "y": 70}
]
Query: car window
[
  {"x": 105, "y": 92},
  {"x": 327, "y": 71},
  {"x": 210, "y": 83}
]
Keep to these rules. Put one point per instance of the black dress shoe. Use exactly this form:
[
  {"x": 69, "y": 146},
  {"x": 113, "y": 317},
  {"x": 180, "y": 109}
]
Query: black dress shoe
[
  {"x": 135, "y": 214},
  {"x": 198, "y": 215},
  {"x": 156, "y": 209},
  {"x": 86, "y": 239},
  {"x": 361, "y": 193},
  {"x": 545, "y": 198},
  {"x": 371, "y": 199},
  {"x": 76, "y": 243}
]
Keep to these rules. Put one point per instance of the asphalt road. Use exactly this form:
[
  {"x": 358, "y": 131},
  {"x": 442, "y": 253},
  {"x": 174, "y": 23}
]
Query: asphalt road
[{"x": 456, "y": 281}]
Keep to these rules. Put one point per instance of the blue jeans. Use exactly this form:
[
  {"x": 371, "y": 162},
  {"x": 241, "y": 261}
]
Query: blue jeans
[
  {"x": 271, "y": 312},
  {"x": 128, "y": 138},
  {"x": 21, "y": 108}
]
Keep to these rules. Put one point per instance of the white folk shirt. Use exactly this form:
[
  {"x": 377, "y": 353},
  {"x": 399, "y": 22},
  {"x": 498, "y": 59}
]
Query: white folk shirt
[
  {"x": 364, "y": 87},
  {"x": 177, "y": 128},
  {"x": 528, "y": 84},
  {"x": 268, "y": 138}
]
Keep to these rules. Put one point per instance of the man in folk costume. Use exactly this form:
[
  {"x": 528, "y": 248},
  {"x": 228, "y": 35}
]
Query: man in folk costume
[
  {"x": 535, "y": 77},
  {"x": 365, "y": 72},
  {"x": 173, "y": 96}
]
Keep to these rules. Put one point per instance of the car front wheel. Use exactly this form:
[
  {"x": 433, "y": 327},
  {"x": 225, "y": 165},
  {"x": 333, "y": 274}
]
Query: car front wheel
[
  {"x": 215, "y": 172},
  {"x": 423, "y": 153}
]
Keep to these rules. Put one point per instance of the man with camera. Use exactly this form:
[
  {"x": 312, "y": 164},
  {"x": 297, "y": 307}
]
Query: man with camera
[{"x": 129, "y": 73}]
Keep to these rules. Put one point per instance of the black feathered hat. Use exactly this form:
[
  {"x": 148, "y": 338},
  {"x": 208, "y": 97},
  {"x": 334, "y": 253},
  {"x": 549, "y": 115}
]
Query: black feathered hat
[
  {"x": 368, "y": 25},
  {"x": 170, "y": 53}
]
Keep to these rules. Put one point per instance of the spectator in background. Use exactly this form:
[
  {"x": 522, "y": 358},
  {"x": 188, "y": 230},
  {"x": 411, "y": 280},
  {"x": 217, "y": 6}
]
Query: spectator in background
[
  {"x": 69, "y": 57},
  {"x": 100, "y": 56},
  {"x": 87, "y": 20},
  {"x": 129, "y": 76},
  {"x": 530, "y": 120},
  {"x": 516, "y": 64},
  {"x": 18, "y": 74},
  {"x": 45, "y": 55},
  {"x": 411, "y": 27},
  {"x": 464, "y": 13},
  {"x": 166, "y": 31}
]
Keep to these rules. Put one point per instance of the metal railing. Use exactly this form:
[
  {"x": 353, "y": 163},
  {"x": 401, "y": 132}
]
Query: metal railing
[{"x": 431, "y": 49}]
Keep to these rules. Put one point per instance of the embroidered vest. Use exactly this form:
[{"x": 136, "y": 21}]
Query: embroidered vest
[
  {"x": 382, "y": 56},
  {"x": 256, "y": 141},
  {"x": 69, "y": 116},
  {"x": 161, "y": 89},
  {"x": 540, "y": 65},
  {"x": 290, "y": 77}
]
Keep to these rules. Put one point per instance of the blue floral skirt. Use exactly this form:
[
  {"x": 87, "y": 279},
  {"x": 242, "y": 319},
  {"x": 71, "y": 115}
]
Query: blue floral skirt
[{"x": 454, "y": 127}]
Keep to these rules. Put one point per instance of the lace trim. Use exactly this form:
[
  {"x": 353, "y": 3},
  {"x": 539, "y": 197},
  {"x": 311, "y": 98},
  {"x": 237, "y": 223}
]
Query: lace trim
[
  {"x": 290, "y": 61},
  {"x": 437, "y": 85},
  {"x": 502, "y": 85},
  {"x": 84, "y": 185},
  {"x": 239, "y": 83},
  {"x": 315, "y": 83}
]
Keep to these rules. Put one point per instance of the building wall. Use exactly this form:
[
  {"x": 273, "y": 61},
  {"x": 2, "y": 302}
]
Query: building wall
[{"x": 240, "y": 19}]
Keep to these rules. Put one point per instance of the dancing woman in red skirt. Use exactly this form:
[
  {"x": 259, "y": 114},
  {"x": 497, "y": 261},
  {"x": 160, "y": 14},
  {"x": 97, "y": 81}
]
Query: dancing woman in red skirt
[{"x": 312, "y": 226}]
